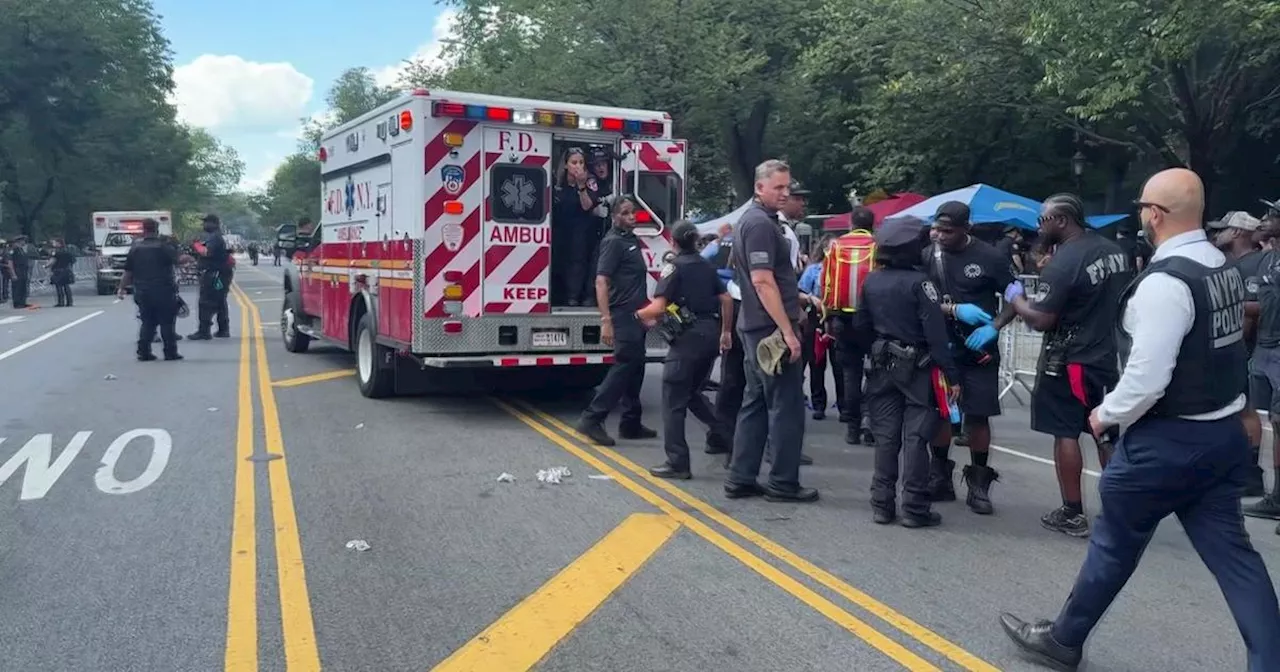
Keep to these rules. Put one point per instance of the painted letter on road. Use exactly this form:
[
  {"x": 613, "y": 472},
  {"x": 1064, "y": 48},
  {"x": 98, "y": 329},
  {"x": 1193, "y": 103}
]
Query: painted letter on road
[
  {"x": 42, "y": 471},
  {"x": 161, "y": 446}
]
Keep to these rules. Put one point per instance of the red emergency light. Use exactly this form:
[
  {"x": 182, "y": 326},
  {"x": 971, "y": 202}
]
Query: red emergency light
[
  {"x": 131, "y": 225},
  {"x": 643, "y": 217},
  {"x": 324, "y": 155},
  {"x": 545, "y": 118}
]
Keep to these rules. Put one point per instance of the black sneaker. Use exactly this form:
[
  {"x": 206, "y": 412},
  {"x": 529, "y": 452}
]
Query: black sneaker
[
  {"x": 174, "y": 358},
  {"x": 669, "y": 472},
  {"x": 199, "y": 336},
  {"x": 222, "y": 334},
  {"x": 146, "y": 357},
  {"x": 1066, "y": 521},
  {"x": 917, "y": 520},
  {"x": 797, "y": 496},
  {"x": 636, "y": 432},
  {"x": 1268, "y": 507},
  {"x": 595, "y": 432}
]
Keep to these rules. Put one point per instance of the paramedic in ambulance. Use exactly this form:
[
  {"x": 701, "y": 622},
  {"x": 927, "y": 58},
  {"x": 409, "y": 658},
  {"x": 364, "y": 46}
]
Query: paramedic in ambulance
[
  {"x": 1183, "y": 449},
  {"x": 732, "y": 379},
  {"x": 622, "y": 288},
  {"x": 601, "y": 169},
  {"x": 573, "y": 226},
  {"x": 769, "y": 325},
  {"x": 695, "y": 310},
  {"x": 1076, "y": 307},
  {"x": 850, "y": 358},
  {"x": 972, "y": 276}
]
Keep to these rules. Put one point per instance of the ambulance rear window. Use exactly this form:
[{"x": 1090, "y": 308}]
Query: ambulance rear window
[{"x": 518, "y": 194}]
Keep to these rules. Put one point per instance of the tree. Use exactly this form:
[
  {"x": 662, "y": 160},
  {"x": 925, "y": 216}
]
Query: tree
[
  {"x": 294, "y": 191},
  {"x": 354, "y": 93}
]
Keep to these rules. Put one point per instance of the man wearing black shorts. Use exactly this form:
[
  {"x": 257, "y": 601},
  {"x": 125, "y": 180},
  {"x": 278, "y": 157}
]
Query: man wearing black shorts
[
  {"x": 1264, "y": 365},
  {"x": 1076, "y": 308},
  {"x": 971, "y": 275}
]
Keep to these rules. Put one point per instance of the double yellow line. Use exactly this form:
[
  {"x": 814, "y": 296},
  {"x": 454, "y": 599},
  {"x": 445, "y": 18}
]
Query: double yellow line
[
  {"x": 242, "y": 650},
  {"x": 571, "y": 441}
]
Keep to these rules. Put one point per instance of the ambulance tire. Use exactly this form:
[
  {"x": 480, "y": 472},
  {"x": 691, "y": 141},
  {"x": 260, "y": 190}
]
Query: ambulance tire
[
  {"x": 376, "y": 381},
  {"x": 294, "y": 341}
]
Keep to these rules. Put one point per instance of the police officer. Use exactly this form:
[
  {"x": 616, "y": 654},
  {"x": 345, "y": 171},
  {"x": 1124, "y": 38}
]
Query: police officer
[
  {"x": 900, "y": 319},
  {"x": 149, "y": 269},
  {"x": 695, "y": 311},
  {"x": 20, "y": 262},
  {"x": 972, "y": 276},
  {"x": 622, "y": 287},
  {"x": 213, "y": 265},
  {"x": 6, "y": 273},
  {"x": 1183, "y": 450}
]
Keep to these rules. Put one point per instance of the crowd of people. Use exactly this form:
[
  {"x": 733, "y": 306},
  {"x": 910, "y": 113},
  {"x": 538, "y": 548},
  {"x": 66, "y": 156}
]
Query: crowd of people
[{"x": 1130, "y": 329}]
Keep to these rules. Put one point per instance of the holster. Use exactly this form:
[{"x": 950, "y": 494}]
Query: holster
[{"x": 675, "y": 322}]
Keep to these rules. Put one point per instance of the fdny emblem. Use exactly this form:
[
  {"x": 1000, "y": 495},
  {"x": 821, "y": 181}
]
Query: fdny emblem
[
  {"x": 929, "y": 290},
  {"x": 972, "y": 271},
  {"x": 452, "y": 177},
  {"x": 349, "y": 201},
  {"x": 668, "y": 269},
  {"x": 1251, "y": 285}
]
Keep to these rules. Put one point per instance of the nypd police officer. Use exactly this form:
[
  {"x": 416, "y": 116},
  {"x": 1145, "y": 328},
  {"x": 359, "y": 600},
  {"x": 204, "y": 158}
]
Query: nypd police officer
[
  {"x": 692, "y": 309},
  {"x": 149, "y": 269},
  {"x": 1183, "y": 448},
  {"x": 901, "y": 321},
  {"x": 214, "y": 264},
  {"x": 622, "y": 287}
]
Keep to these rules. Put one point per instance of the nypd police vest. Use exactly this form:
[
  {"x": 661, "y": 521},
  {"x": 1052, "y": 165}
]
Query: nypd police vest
[
  {"x": 1210, "y": 371},
  {"x": 724, "y": 254}
]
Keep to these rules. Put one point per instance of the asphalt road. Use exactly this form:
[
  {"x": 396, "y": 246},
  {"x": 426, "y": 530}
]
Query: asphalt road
[{"x": 196, "y": 516}]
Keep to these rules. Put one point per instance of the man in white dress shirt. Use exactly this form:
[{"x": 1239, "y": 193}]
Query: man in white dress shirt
[{"x": 1183, "y": 449}]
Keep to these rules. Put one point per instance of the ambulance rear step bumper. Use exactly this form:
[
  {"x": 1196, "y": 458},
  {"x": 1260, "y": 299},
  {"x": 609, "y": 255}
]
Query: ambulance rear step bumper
[{"x": 515, "y": 360}]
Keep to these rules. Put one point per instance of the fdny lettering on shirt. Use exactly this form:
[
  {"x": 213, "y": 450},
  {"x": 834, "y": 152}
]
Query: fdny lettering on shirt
[
  {"x": 1226, "y": 300},
  {"x": 1104, "y": 267}
]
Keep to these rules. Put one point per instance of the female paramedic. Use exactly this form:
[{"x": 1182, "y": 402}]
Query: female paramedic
[{"x": 694, "y": 312}]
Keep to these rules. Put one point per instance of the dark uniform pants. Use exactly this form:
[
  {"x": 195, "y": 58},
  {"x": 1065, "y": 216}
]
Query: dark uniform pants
[
  {"x": 5, "y": 282},
  {"x": 213, "y": 302},
  {"x": 579, "y": 280},
  {"x": 733, "y": 384},
  {"x": 817, "y": 367},
  {"x": 903, "y": 419},
  {"x": 19, "y": 288},
  {"x": 689, "y": 361},
  {"x": 157, "y": 311},
  {"x": 1194, "y": 470},
  {"x": 621, "y": 386},
  {"x": 772, "y": 413}
]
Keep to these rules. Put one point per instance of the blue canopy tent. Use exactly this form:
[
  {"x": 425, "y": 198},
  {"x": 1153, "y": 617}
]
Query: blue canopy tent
[{"x": 988, "y": 205}]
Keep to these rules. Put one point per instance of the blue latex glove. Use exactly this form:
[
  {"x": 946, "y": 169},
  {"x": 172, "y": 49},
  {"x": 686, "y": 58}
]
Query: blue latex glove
[
  {"x": 971, "y": 314},
  {"x": 981, "y": 337},
  {"x": 1013, "y": 291}
]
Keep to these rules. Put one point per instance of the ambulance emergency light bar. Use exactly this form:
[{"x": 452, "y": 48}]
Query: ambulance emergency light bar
[{"x": 547, "y": 118}]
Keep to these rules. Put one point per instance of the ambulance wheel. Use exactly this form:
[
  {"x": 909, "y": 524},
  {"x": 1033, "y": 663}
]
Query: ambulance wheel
[
  {"x": 294, "y": 340},
  {"x": 376, "y": 381}
]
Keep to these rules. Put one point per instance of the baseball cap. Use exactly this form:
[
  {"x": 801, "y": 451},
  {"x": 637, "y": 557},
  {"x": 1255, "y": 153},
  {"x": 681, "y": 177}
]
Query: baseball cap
[
  {"x": 1237, "y": 220},
  {"x": 955, "y": 212},
  {"x": 1273, "y": 205},
  {"x": 598, "y": 154},
  {"x": 798, "y": 189}
]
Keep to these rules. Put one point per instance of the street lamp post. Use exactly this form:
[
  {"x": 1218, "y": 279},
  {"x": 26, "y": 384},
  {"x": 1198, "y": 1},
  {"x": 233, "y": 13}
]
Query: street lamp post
[{"x": 1078, "y": 162}]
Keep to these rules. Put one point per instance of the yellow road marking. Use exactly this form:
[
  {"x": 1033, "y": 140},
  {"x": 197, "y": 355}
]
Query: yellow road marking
[
  {"x": 527, "y": 633},
  {"x": 886, "y": 613},
  {"x": 314, "y": 378},
  {"x": 300, "y": 651},
  {"x": 822, "y": 605},
  {"x": 241, "y": 653}
]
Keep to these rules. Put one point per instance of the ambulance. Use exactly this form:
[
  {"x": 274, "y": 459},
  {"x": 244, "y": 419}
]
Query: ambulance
[
  {"x": 113, "y": 235},
  {"x": 433, "y": 260}
]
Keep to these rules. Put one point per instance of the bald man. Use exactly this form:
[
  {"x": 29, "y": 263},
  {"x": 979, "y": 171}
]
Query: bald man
[{"x": 1183, "y": 449}]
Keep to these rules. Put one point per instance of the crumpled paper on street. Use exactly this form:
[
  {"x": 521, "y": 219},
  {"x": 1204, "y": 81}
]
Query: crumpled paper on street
[
  {"x": 504, "y": 477},
  {"x": 358, "y": 545},
  {"x": 553, "y": 475}
]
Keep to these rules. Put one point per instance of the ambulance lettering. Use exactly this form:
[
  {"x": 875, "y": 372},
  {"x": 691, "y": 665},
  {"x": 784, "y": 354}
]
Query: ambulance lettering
[
  {"x": 521, "y": 142},
  {"x": 516, "y": 234},
  {"x": 513, "y": 293},
  {"x": 349, "y": 199},
  {"x": 347, "y": 234}
]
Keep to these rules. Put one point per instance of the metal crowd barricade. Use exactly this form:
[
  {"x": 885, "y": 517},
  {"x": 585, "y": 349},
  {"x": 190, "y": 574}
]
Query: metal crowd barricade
[
  {"x": 85, "y": 268},
  {"x": 1019, "y": 352}
]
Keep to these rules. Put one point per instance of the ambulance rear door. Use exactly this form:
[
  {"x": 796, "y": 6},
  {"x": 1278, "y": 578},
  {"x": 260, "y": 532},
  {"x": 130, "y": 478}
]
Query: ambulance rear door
[
  {"x": 517, "y": 221},
  {"x": 654, "y": 171}
]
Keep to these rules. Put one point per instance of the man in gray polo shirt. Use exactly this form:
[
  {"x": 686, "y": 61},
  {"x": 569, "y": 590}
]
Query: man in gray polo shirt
[{"x": 773, "y": 405}]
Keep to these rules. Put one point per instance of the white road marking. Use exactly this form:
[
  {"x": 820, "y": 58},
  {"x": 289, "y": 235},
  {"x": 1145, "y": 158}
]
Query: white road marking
[
  {"x": 42, "y": 470},
  {"x": 1036, "y": 458},
  {"x": 46, "y": 336},
  {"x": 12, "y": 319},
  {"x": 161, "y": 447},
  {"x": 268, "y": 300}
]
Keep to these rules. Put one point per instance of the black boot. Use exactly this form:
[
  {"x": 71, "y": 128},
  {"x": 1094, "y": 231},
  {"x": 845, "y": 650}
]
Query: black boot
[
  {"x": 942, "y": 486},
  {"x": 979, "y": 478}
]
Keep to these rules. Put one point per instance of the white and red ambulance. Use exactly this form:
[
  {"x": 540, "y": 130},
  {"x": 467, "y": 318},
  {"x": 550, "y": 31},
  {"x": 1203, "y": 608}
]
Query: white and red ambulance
[
  {"x": 433, "y": 257},
  {"x": 113, "y": 235}
]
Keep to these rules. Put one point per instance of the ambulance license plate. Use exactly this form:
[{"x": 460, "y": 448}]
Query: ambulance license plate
[{"x": 550, "y": 338}]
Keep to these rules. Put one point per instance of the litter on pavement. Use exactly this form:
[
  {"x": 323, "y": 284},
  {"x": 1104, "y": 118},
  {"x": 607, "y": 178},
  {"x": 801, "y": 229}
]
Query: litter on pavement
[
  {"x": 213, "y": 409},
  {"x": 109, "y": 376},
  {"x": 553, "y": 475},
  {"x": 358, "y": 545},
  {"x": 600, "y": 477},
  {"x": 360, "y": 426},
  {"x": 504, "y": 477}
]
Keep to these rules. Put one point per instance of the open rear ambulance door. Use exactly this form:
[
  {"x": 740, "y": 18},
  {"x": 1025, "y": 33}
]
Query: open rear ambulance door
[
  {"x": 654, "y": 171},
  {"x": 517, "y": 222}
]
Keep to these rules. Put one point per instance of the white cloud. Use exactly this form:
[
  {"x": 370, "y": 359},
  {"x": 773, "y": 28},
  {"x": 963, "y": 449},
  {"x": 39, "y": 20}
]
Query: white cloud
[
  {"x": 228, "y": 92},
  {"x": 259, "y": 180},
  {"x": 431, "y": 53}
]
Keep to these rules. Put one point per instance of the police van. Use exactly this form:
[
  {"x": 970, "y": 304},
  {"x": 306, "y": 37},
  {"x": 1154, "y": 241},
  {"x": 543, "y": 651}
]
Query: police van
[{"x": 434, "y": 257}]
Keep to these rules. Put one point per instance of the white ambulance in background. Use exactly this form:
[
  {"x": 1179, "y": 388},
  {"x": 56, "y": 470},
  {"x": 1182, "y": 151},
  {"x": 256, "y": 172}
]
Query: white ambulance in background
[
  {"x": 113, "y": 235},
  {"x": 432, "y": 260}
]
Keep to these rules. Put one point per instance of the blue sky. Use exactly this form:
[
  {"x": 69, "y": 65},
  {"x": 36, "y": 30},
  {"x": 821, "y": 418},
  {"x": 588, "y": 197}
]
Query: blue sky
[{"x": 247, "y": 70}]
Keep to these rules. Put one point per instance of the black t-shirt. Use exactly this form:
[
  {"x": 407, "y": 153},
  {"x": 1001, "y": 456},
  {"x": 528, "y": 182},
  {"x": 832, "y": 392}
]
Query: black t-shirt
[
  {"x": 1268, "y": 297},
  {"x": 216, "y": 257},
  {"x": 572, "y": 217},
  {"x": 151, "y": 261},
  {"x": 63, "y": 260},
  {"x": 977, "y": 274},
  {"x": 622, "y": 261},
  {"x": 691, "y": 282},
  {"x": 760, "y": 245},
  {"x": 1250, "y": 266},
  {"x": 1082, "y": 285}
]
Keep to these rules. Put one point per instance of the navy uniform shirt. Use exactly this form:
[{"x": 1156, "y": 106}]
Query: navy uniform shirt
[
  {"x": 151, "y": 260},
  {"x": 692, "y": 283},
  {"x": 904, "y": 306},
  {"x": 622, "y": 261},
  {"x": 1268, "y": 297},
  {"x": 1082, "y": 285},
  {"x": 216, "y": 255},
  {"x": 759, "y": 244},
  {"x": 977, "y": 274}
]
